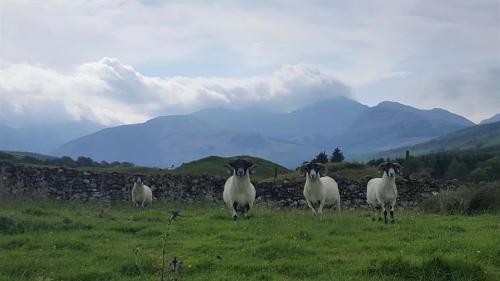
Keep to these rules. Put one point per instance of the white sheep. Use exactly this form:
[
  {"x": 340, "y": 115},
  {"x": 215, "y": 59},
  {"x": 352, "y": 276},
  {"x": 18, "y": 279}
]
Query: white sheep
[
  {"x": 382, "y": 193},
  {"x": 141, "y": 194},
  {"x": 239, "y": 192},
  {"x": 319, "y": 191}
]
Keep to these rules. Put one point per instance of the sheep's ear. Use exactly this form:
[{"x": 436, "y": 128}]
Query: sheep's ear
[
  {"x": 399, "y": 168},
  {"x": 381, "y": 166},
  {"x": 323, "y": 170},
  {"x": 229, "y": 168},
  {"x": 302, "y": 170},
  {"x": 252, "y": 169}
]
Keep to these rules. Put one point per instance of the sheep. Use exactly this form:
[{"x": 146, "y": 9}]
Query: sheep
[
  {"x": 382, "y": 192},
  {"x": 319, "y": 191},
  {"x": 239, "y": 192},
  {"x": 141, "y": 194}
]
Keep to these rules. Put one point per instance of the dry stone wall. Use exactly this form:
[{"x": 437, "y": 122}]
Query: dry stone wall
[{"x": 61, "y": 183}]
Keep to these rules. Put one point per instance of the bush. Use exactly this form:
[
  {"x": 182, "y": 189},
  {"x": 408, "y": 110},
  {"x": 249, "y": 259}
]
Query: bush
[{"x": 467, "y": 200}]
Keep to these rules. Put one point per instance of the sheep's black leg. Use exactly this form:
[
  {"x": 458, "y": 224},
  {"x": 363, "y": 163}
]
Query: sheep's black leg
[
  {"x": 247, "y": 211},
  {"x": 392, "y": 215},
  {"x": 379, "y": 213},
  {"x": 373, "y": 212},
  {"x": 235, "y": 209},
  {"x": 385, "y": 215}
]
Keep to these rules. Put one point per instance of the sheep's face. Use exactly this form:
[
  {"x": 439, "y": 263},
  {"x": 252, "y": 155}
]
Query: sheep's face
[
  {"x": 138, "y": 182},
  {"x": 391, "y": 169},
  {"x": 240, "y": 167},
  {"x": 312, "y": 170}
]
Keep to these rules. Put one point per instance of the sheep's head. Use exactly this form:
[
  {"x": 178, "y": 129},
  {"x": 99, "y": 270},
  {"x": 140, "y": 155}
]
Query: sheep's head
[
  {"x": 241, "y": 167},
  {"x": 312, "y": 170},
  {"x": 138, "y": 182},
  {"x": 390, "y": 168}
]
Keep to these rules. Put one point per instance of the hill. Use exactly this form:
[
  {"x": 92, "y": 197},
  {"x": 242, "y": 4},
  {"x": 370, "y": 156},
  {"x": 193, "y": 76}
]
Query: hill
[
  {"x": 493, "y": 119},
  {"x": 481, "y": 137},
  {"x": 20, "y": 155},
  {"x": 214, "y": 165},
  {"x": 43, "y": 138}
]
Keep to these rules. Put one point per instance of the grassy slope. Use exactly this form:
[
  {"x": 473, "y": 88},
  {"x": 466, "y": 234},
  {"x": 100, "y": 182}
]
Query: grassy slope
[
  {"x": 71, "y": 242},
  {"x": 20, "y": 154},
  {"x": 214, "y": 165}
]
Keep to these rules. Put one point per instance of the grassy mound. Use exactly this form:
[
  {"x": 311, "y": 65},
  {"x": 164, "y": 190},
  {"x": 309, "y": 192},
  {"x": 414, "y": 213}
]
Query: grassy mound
[{"x": 214, "y": 165}]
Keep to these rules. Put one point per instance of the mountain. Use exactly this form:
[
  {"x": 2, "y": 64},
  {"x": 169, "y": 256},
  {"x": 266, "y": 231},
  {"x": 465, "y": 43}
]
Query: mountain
[
  {"x": 493, "y": 119},
  {"x": 389, "y": 125},
  {"x": 46, "y": 138},
  {"x": 484, "y": 137},
  {"x": 286, "y": 138},
  {"x": 323, "y": 118},
  {"x": 172, "y": 140}
]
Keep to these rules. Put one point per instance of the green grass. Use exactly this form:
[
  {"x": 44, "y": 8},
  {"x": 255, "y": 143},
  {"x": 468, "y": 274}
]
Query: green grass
[
  {"x": 70, "y": 241},
  {"x": 214, "y": 165}
]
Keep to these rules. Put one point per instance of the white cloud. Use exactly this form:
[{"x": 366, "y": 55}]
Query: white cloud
[
  {"x": 400, "y": 44},
  {"x": 110, "y": 92},
  {"x": 360, "y": 40}
]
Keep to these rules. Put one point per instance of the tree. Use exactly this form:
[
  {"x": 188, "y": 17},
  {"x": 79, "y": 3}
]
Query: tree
[
  {"x": 322, "y": 157},
  {"x": 457, "y": 170},
  {"x": 337, "y": 156},
  {"x": 83, "y": 161}
]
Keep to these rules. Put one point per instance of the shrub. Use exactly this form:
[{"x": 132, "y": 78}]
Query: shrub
[{"x": 466, "y": 200}]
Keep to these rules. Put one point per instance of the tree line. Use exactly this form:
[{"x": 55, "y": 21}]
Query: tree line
[
  {"x": 472, "y": 166},
  {"x": 65, "y": 161}
]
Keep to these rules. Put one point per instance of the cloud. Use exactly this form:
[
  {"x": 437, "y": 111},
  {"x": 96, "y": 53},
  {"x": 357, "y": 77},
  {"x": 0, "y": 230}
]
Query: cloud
[
  {"x": 360, "y": 40},
  {"x": 110, "y": 92},
  {"x": 474, "y": 94}
]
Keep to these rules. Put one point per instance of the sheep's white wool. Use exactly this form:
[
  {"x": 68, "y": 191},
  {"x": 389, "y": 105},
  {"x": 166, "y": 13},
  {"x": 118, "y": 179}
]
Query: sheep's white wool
[
  {"x": 382, "y": 192},
  {"x": 239, "y": 191},
  {"x": 320, "y": 191},
  {"x": 141, "y": 194}
]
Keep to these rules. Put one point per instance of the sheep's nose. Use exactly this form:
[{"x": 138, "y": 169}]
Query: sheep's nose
[{"x": 241, "y": 172}]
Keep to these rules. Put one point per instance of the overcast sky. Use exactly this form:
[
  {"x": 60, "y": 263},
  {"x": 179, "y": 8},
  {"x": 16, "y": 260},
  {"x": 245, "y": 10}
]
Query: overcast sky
[{"x": 126, "y": 61}]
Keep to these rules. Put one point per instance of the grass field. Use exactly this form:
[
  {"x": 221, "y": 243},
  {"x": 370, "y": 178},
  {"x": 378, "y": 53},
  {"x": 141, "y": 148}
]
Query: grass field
[{"x": 62, "y": 241}]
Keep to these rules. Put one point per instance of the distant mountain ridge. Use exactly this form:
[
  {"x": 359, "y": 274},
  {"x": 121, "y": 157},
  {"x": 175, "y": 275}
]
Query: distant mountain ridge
[
  {"x": 44, "y": 138},
  {"x": 493, "y": 119},
  {"x": 485, "y": 137},
  {"x": 285, "y": 138}
]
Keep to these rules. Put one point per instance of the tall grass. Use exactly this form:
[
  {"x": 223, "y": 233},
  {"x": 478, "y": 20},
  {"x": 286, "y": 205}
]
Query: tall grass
[{"x": 466, "y": 200}]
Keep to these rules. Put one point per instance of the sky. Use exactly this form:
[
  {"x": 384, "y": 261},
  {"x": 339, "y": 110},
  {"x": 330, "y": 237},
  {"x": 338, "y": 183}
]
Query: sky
[{"x": 125, "y": 61}]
